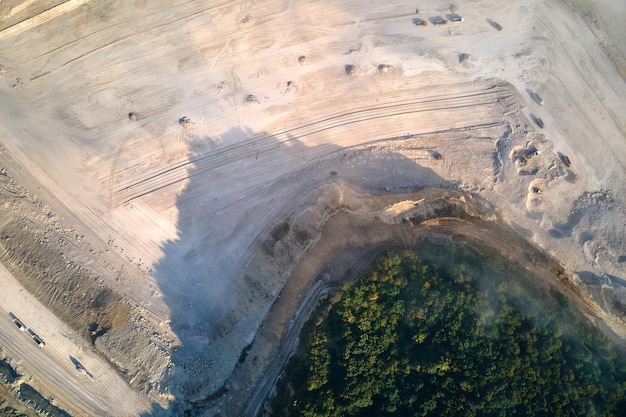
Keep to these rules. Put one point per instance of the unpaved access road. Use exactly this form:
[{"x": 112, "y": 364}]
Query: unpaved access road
[
  {"x": 107, "y": 394},
  {"x": 355, "y": 118}
]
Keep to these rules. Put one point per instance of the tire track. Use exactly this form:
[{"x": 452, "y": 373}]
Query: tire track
[
  {"x": 42, "y": 17},
  {"x": 582, "y": 61},
  {"x": 176, "y": 174},
  {"x": 179, "y": 171},
  {"x": 49, "y": 367}
]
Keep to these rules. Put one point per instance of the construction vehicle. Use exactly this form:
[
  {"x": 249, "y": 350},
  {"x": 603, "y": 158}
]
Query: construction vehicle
[
  {"x": 494, "y": 24},
  {"x": 80, "y": 368},
  {"x": 38, "y": 340},
  {"x": 537, "y": 120},
  {"x": 455, "y": 18},
  {"x": 17, "y": 322},
  {"x": 420, "y": 22},
  {"x": 438, "y": 20},
  {"x": 566, "y": 160}
]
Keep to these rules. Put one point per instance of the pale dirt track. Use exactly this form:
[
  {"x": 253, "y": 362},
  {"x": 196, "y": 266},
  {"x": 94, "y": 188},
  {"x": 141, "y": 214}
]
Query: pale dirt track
[
  {"x": 106, "y": 394},
  {"x": 199, "y": 225},
  {"x": 354, "y": 118}
]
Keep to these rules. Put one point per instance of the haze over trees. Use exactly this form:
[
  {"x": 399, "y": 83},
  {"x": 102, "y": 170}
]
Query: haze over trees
[{"x": 458, "y": 334}]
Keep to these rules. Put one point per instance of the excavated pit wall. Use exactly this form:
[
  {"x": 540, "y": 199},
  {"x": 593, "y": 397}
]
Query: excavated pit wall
[{"x": 347, "y": 231}]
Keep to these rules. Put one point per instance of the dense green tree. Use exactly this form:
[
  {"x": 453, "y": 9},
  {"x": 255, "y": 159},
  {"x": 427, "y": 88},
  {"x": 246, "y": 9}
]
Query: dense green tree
[{"x": 456, "y": 335}]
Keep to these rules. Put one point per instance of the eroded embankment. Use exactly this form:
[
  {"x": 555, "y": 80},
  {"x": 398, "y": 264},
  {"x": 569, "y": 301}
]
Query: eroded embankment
[
  {"x": 53, "y": 263},
  {"x": 351, "y": 234}
]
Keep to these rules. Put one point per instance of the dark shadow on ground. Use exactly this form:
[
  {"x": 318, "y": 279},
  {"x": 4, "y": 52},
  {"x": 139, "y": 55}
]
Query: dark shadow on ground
[
  {"x": 590, "y": 278},
  {"x": 203, "y": 284}
]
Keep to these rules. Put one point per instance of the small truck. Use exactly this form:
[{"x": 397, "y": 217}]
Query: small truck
[
  {"x": 17, "y": 322},
  {"x": 455, "y": 18},
  {"x": 537, "y": 120},
  {"x": 38, "y": 340}
]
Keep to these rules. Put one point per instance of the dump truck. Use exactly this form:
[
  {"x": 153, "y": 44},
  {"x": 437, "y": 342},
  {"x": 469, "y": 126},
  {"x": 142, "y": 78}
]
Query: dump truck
[
  {"x": 420, "y": 22},
  {"x": 537, "y": 120},
  {"x": 537, "y": 98},
  {"x": 455, "y": 18},
  {"x": 17, "y": 322},
  {"x": 19, "y": 325},
  {"x": 38, "y": 340},
  {"x": 494, "y": 24},
  {"x": 79, "y": 367}
]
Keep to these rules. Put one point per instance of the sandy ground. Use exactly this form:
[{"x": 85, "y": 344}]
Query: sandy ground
[{"x": 197, "y": 149}]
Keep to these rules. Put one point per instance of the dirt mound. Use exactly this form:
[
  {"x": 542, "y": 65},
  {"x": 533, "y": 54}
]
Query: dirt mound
[
  {"x": 385, "y": 68},
  {"x": 352, "y": 70},
  {"x": 31, "y": 253}
]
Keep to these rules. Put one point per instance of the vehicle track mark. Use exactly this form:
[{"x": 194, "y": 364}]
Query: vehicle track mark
[
  {"x": 178, "y": 171},
  {"x": 42, "y": 17}
]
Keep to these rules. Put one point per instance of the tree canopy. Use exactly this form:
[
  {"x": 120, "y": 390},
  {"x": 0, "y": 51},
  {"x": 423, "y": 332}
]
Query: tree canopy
[{"x": 451, "y": 335}]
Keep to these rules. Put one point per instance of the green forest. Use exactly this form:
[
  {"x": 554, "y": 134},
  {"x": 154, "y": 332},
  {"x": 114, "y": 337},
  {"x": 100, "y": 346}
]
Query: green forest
[{"x": 453, "y": 331}]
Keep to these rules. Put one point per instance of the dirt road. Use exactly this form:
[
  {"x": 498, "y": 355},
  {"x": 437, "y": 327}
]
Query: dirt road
[{"x": 107, "y": 394}]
